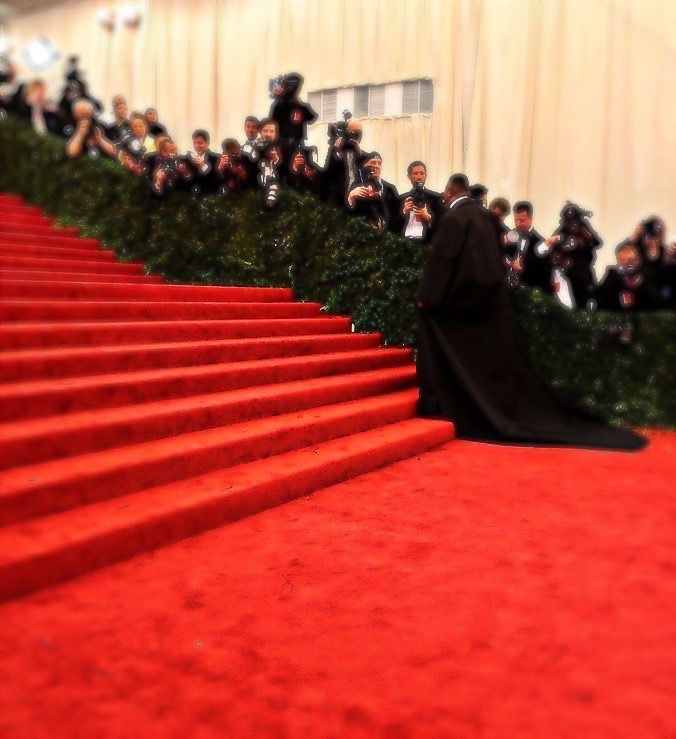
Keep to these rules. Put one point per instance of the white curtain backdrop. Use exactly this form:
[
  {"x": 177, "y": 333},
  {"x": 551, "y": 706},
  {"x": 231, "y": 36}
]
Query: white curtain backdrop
[{"x": 538, "y": 99}]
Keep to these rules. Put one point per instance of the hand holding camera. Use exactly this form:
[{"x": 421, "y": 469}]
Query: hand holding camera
[
  {"x": 422, "y": 214},
  {"x": 223, "y": 162}
]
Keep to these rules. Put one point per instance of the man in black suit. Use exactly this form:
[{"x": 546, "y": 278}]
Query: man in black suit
[
  {"x": 527, "y": 254},
  {"x": 649, "y": 237},
  {"x": 574, "y": 245},
  {"x": 623, "y": 287},
  {"x": 167, "y": 171},
  {"x": 420, "y": 207},
  {"x": 203, "y": 164},
  {"x": 341, "y": 167},
  {"x": 374, "y": 199},
  {"x": 469, "y": 364},
  {"x": 120, "y": 127}
]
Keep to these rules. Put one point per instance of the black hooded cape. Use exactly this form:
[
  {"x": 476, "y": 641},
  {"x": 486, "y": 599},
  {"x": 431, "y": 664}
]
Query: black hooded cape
[{"x": 470, "y": 368}]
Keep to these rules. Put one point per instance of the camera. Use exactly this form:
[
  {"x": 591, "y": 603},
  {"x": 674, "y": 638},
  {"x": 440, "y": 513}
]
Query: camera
[
  {"x": 132, "y": 146},
  {"x": 572, "y": 214},
  {"x": 339, "y": 129},
  {"x": 263, "y": 146},
  {"x": 418, "y": 195},
  {"x": 284, "y": 85},
  {"x": 366, "y": 174},
  {"x": 652, "y": 227}
]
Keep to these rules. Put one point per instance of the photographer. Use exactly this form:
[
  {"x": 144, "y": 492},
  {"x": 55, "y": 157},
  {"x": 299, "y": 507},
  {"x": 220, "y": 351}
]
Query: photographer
[
  {"x": 75, "y": 88},
  {"x": 649, "y": 237},
  {"x": 341, "y": 168},
  {"x": 527, "y": 256},
  {"x": 88, "y": 137},
  {"x": 302, "y": 173},
  {"x": 120, "y": 127},
  {"x": 133, "y": 149},
  {"x": 167, "y": 170},
  {"x": 203, "y": 163},
  {"x": 268, "y": 157},
  {"x": 624, "y": 289},
  {"x": 420, "y": 207},
  {"x": 290, "y": 112},
  {"x": 573, "y": 247},
  {"x": 30, "y": 103},
  {"x": 233, "y": 168},
  {"x": 251, "y": 131},
  {"x": 373, "y": 199}
]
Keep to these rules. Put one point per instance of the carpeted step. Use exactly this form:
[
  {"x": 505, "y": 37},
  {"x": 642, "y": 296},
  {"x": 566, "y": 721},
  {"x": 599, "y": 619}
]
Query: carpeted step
[
  {"x": 101, "y": 291},
  {"x": 49, "y": 240},
  {"x": 9, "y": 228},
  {"x": 24, "y": 214},
  {"x": 93, "y": 268},
  {"x": 105, "y": 256},
  {"x": 52, "y": 276},
  {"x": 10, "y": 198},
  {"x": 64, "y": 545},
  {"x": 14, "y": 336},
  {"x": 67, "y": 310},
  {"x": 37, "y": 440},
  {"x": 24, "y": 400},
  {"x": 49, "y": 487},
  {"x": 19, "y": 217},
  {"x": 76, "y": 362}
]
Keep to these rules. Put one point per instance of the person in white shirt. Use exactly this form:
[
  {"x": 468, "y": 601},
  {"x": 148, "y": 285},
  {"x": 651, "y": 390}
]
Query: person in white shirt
[{"x": 420, "y": 207}]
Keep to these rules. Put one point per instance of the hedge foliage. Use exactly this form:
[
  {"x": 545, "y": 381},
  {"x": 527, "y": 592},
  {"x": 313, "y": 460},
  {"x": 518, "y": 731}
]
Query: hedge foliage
[{"x": 336, "y": 260}]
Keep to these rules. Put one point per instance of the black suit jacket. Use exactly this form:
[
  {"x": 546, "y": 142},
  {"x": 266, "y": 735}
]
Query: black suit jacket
[
  {"x": 434, "y": 206},
  {"x": 538, "y": 269},
  {"x": 382, "y": 212},
  {"x": 205, "y": 181}
]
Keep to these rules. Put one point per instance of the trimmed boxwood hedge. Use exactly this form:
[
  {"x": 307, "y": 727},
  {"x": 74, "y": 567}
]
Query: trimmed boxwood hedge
[{"x": 335, "y": 259}]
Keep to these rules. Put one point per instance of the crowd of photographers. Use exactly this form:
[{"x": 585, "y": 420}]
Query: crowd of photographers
[{"x": 274, "y": 155}]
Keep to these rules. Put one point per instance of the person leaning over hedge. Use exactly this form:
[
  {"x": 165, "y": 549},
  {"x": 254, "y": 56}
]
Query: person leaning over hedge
[{"x": 88, "y": 137}]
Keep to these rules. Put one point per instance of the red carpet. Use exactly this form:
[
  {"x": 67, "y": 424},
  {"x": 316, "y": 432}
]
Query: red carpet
[
  {"x": 134, "y": 413},
  {"x": 472, "y": 591}
]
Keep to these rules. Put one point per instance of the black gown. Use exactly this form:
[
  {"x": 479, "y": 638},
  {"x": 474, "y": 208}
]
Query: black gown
[{"x": 470, "y": 368}]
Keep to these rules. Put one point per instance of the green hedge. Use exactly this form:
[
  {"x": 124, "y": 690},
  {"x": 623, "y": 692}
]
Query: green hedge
[{"x": 337, "y": 260}]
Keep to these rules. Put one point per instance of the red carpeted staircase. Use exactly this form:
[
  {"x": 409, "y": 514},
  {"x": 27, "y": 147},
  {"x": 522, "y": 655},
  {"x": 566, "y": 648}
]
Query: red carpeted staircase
[{"x": 134, "y": 413}]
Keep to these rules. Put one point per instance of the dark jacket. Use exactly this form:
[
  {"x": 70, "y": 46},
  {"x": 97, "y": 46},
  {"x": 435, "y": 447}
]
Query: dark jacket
[
  {"x": 434, "y": 205},
  {"x": 381, "y": 212}
]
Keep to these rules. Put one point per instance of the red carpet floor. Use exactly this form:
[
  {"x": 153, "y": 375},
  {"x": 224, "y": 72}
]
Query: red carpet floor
[
  {"x": 134, "y": 413},
  {"x": 472, "y": 591}
]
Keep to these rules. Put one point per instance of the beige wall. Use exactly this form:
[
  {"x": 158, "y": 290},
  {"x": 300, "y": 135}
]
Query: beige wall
[{"x": 542, "y": 99}]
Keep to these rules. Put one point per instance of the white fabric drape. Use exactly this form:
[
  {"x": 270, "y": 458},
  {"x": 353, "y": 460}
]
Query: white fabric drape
[{"x": 538, "y": 99}]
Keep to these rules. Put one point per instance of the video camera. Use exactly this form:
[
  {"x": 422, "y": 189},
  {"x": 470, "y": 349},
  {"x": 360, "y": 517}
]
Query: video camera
[
  {"x": 572, "y": 214},
  {"x": 653, "y": 228},
  {"x": 339, "y": 130},
  {"x": 263, "y": 146},
  {"x": 576, "y": 231},
  {"x": 285, "y": 85}
]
